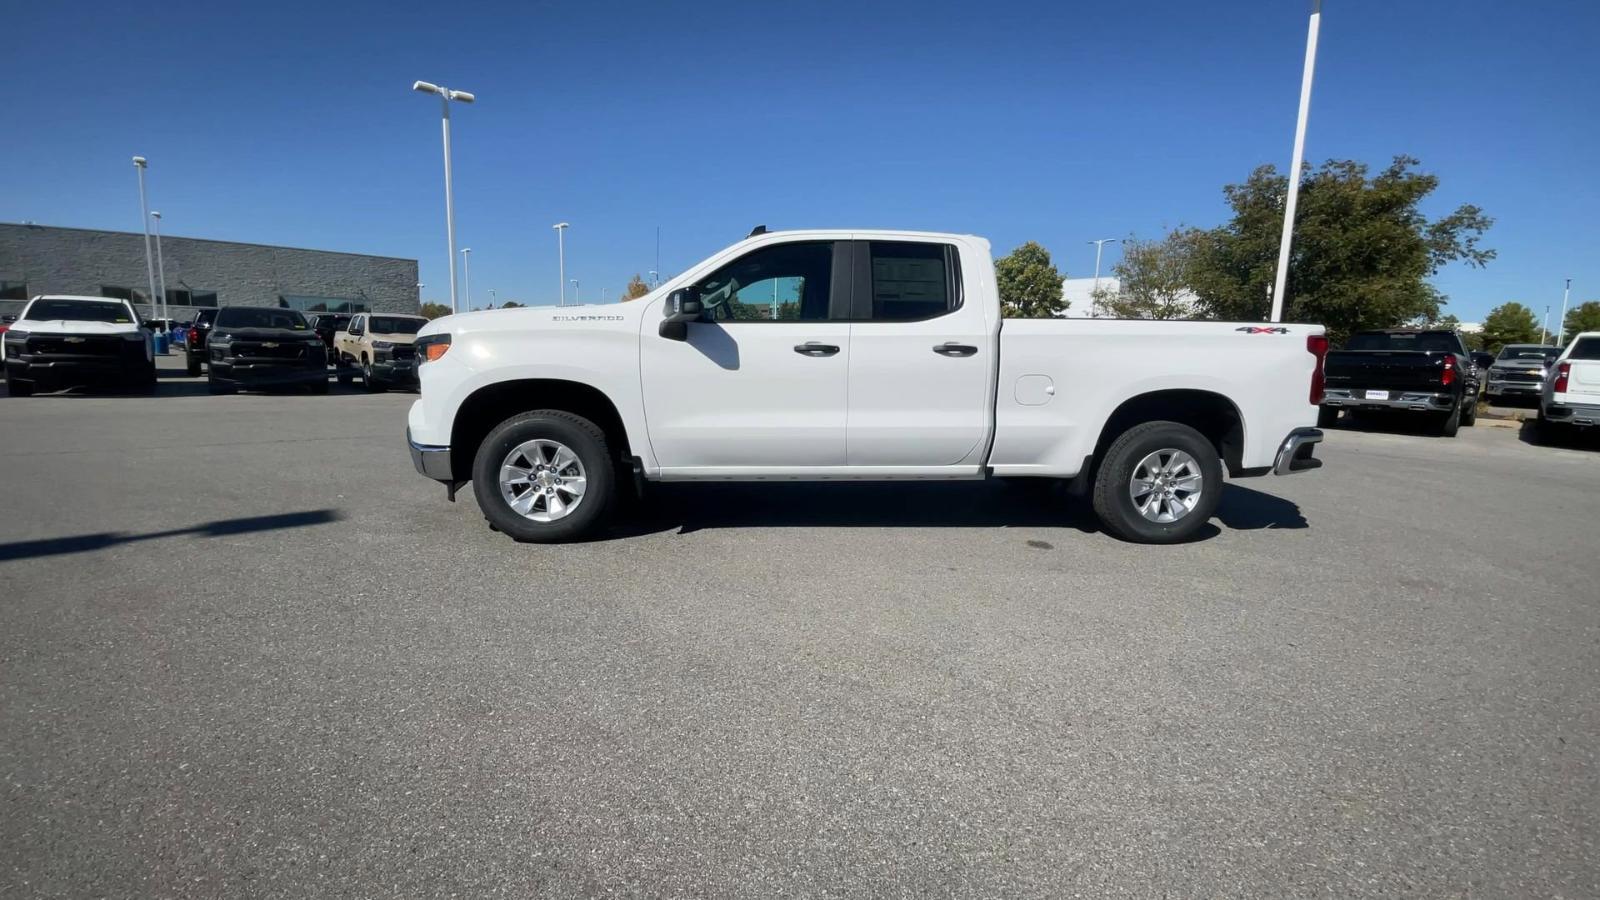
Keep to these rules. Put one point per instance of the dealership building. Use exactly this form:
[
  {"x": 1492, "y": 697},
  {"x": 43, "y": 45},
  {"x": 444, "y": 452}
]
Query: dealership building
[{"x": 36, "y": 259}]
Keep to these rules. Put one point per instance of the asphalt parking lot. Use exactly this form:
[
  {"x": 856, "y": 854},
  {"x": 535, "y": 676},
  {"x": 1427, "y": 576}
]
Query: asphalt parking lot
[{"x": 245, "y": 650}]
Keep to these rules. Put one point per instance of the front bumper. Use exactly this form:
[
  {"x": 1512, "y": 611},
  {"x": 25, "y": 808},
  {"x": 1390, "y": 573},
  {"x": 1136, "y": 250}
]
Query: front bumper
[
  {"x": 1418, "y": 401},
  {"x": 431, "y": 461},
  {"x": 1295, "y": 453},
  {"x": 397, "y": 370},
  {"x": 67, "y": 370},
  {"x": 1515, "y": 388},
  {"x": 265, "y": 373}
]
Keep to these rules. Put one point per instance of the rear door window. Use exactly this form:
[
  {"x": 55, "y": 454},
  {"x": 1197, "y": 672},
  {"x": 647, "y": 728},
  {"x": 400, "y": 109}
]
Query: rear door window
[
  {"x": 910, "y": 281},
  {"x": 1586, "y": 349}
]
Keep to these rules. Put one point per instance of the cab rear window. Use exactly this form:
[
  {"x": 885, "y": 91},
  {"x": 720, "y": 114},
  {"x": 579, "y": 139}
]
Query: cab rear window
[{"x": 1586, "y": 349}]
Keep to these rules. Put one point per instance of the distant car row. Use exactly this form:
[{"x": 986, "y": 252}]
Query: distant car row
[
  {"x": 1430, "y": 372},
  {"x": 64, "y": 341}
]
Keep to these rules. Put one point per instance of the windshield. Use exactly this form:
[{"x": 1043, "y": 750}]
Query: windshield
[
  {"x": 1586, "y": 349},
  {"x": 248, "y": 317},
  {"x": 1527, "y": 352},
  {"x": 78, "y": 310},
  {"x": 397, "y": 324},
  {"x": 1438, "y": 341}
]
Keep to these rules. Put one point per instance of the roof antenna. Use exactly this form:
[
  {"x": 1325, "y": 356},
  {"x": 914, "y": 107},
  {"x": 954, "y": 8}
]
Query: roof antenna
[{"x": 759, "y": 229}]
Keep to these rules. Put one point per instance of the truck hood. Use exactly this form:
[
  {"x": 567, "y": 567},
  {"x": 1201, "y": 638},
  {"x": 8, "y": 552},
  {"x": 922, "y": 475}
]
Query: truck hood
[
  {"x": 75, "y": 326},
  {"x": 287, "y": 335},
  {"x": 393, "y": 338}
]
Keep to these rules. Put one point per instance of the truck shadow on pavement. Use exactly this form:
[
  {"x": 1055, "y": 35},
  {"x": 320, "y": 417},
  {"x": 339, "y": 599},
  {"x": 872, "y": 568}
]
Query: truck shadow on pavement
[
  {"x": 1568, "y": 438},
  {"x": 687, "y": 508},
  {"x": 85, "y": 543}
]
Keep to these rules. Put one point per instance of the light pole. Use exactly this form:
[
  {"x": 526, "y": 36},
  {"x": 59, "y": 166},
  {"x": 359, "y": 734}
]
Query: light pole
[
  {"x": 1094, "y": 292},
  {"x": 575, "y": 292},
  {"x": 655, "y": 278},
  {"x": 161, "y": 267},
  {"x": 1282, "y": 275},
  {"x": 491, "y": 298},
  {"x": 1544, "y": 324},
  {"x": 561, "y": 260},
  {"x": 139, "y": 163},
  {"x": 466, "y": 276},
  {"x": 1566, "y": 294},
  {"x": 445, "y": 96}
]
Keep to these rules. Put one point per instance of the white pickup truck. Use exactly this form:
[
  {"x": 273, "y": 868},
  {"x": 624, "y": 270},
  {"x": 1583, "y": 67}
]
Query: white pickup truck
[{"x": 854, "y": 355}]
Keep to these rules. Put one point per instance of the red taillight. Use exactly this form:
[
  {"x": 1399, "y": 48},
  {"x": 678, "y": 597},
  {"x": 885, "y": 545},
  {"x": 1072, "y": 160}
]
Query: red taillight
[
  {"x": 194, "y": 336},
  {"x": 1317, "y": 345},
  {"x": 1562, "y": 371},
  {"x": 1448, "y": 376}
]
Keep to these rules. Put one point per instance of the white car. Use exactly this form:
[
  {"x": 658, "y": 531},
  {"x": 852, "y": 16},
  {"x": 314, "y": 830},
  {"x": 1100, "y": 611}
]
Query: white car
[
  {"x": 854, "y": 355},
  {"x": 65, "y": 341},
  {"x": 1572, "y": 389}
]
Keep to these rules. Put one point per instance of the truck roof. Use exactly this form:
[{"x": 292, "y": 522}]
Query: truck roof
[{"x": 80, "y": 297}]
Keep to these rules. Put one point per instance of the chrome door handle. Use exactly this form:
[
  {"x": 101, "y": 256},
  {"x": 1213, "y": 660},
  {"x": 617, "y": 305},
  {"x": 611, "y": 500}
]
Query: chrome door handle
[{"x": 812, "y": 348}]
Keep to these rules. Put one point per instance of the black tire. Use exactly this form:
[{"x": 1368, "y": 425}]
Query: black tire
[
  {"x": 217, "y": 387},
  {"x": 1451, "y": 423},
  {"x": 193, "y": 365},
  {"x": 578, "y": 434},
  {"x": 318, "y": 387},
  {"x": 371, "y": 384},
  {"x": 342, "y": 372},
  {"x": 1469, "y": 415},
  {"x": 18, "y": 387},
  {"x": 1327, "y": 416},
  {"x": 1112, "y": 500}
]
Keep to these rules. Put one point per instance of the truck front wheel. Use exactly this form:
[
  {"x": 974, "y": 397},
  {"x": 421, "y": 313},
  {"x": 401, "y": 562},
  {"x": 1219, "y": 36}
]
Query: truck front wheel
[
  {"x": 1158, "y": 483},
  {"x": 545, "y": 476}
]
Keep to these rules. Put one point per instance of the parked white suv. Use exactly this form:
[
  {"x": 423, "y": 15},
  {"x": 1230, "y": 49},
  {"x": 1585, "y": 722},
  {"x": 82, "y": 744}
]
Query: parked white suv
[
  {"x": 854, "y": 355},
  {"x": 66, "y": 341},
  {"x": 1572, "y": 389}
]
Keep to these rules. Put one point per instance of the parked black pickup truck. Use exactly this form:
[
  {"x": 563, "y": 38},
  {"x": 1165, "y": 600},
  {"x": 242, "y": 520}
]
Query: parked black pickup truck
[
  {"x": 261, "y": 347},
  {"x": 1418, "y": 371}
]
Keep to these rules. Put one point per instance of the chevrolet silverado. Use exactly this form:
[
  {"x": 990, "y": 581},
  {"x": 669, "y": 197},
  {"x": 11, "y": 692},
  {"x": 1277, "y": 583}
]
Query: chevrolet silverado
[{"x": 854, "y": 355}]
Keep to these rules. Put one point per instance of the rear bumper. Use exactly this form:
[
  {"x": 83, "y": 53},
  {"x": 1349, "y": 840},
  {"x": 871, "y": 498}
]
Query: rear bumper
[
  {"x": 403, "y": 371},
  {"x": 1581, "y": 414},
  {"x": 431, "y": 461},
  {"x": 1295, "y": 453},
  {"x": 1418, "y": 401}
]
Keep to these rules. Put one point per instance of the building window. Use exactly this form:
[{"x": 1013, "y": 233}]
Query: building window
[
  {"x": 13, "y": 290},
  {"x": 188, "y": 297},
  {"x": 132, "y": 295},
  {"x": 321, "y": 304}
]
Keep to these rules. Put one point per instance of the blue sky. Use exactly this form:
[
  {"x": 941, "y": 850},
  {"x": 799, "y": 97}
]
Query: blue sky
[{"x": 293, "y": 123}]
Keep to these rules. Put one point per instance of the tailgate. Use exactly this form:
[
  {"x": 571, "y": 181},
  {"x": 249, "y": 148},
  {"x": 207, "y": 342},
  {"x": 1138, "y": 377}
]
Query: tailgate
[
  {"x": 1406, "y": 370},
  {"x": 1583, "y": 378}
]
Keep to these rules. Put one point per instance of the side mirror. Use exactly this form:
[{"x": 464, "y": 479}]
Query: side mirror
[{"x": 681, "y": 307}]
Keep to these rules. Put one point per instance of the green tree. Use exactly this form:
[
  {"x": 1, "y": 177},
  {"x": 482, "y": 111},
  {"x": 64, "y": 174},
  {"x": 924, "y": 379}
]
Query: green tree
[
  {"x": 1030, "y": 287},
  {"x": 1362, "y": 251},
  {"x": 434, "y": 310},
  {"x": 1509, "y": 323},
  {"x": 636, "y": 288},
  {"x": 1583, "y": 317},
  {"x": 511, "y": 304},
  {"x": 1154, "y": 279}
]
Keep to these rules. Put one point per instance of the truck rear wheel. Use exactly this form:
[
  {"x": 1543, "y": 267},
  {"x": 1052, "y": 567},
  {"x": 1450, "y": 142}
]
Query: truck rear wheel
[
  {"x": 1327, "y": 416},
  {"x": 1451, "y": 423},
  {"x": 545, "y": 476},
  {"x": 1158, "y": 483}
]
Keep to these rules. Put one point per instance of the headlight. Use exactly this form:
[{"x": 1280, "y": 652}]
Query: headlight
[
  {"x": 431, "y": 347},
  {"x": 383, "y": 345}
]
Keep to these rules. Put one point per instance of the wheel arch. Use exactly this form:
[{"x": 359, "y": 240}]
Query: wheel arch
[
  {"x": 1212, "y": 414},
  {"x": 492, "y": 404}
]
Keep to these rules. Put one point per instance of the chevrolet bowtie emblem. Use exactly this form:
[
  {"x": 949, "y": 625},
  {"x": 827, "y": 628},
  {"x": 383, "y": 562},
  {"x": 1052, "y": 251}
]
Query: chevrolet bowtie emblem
[
  {"x": 75, "y": 340},
  {"x": 270, "y": 344}
]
